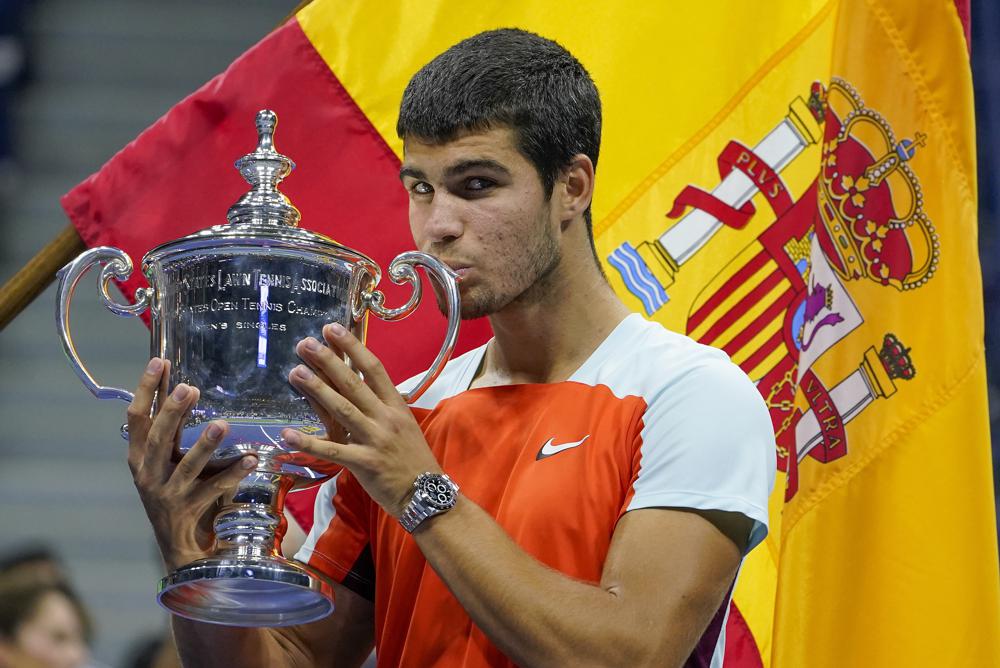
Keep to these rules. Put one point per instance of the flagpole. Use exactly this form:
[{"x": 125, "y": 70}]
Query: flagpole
[{"x": 35, "y": 276}]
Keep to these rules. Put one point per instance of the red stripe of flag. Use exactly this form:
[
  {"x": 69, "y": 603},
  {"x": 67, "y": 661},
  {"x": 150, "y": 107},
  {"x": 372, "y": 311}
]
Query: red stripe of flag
[
  {"x": 761, "y": 321},
  {"x": 965, "y": 16},
  {"x": 734, "y": 281},
  {"x": 742, "y": 306},
  {"x": 761, "y": 354},
  {"x": 741, "y": 648}
]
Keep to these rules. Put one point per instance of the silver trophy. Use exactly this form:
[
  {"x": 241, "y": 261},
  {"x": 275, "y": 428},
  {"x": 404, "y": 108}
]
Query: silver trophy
[{"x": 227, "y": 306}]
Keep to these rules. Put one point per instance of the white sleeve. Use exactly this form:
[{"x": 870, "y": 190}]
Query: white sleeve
[
  {"x": 708, "y": 444},
  {"x": 323, "y": 512}
]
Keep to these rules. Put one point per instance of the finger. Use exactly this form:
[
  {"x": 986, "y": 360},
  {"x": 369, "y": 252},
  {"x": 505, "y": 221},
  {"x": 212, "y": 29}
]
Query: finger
[
  {"x": 364, "y": 361},
  {"x": 336, "y": 405},
  {"x": 222, "y": 484},
  {"x": 162, "y": 392},
  {"x": 334, "y": 429},
  {"x": 193, "y": 462},
  {"x": 345, "y": 454},
  {"x": 344, "y": 379},
  {"x": 331, "y": 425},
  {"x": 166, "y": 425},
  {"x": 138, "y": 413},
  {"x": 182, "y": 424},
  {"x": 323, "y": 415}
]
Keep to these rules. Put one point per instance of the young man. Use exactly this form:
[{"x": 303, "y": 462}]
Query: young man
[{"x": 612, "y": 474}]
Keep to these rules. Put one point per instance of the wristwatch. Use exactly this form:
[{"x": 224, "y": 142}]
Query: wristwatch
[{"x": 433, "y": 494}]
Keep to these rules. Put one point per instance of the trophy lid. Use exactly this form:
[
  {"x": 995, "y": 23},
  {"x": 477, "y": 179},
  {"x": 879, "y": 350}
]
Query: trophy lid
[
  {"x": 264, "y": 169},
  {"x": 264, "y": 216}
]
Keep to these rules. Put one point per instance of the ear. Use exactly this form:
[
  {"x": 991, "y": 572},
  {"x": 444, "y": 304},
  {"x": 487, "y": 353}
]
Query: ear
[{"x": 575, "y": 188}]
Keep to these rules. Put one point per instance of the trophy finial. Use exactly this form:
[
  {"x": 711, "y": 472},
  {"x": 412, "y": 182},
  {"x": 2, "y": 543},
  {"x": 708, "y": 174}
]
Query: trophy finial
[
  {"x": 266, "y": 120},
  {"x": 264, "y": 169}
]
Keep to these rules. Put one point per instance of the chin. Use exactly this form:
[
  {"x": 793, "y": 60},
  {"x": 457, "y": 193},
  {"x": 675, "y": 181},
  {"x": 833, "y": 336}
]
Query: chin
[
  {"x": 473, "y": 305},
  {"x": 473, "y": 312}
]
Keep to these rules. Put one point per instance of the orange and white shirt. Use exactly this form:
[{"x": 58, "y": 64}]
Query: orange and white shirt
[{"x": 651, "y": 419}]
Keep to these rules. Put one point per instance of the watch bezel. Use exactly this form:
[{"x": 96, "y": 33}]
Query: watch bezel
[{"x": 431, "y": 487}]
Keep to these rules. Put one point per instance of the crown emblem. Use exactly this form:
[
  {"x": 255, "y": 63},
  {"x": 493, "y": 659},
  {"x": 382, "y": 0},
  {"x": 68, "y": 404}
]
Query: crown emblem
[
  {"x": 895, "y": 358},
  {"x": 870, "y": 201}
]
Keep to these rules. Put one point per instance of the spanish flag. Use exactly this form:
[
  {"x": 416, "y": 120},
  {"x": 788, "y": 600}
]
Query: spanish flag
[{"x": 792, "y": 182}]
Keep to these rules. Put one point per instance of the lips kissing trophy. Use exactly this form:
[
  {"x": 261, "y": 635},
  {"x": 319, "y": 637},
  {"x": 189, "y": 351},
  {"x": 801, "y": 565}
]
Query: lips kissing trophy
[{"x": 227, "y": 306}]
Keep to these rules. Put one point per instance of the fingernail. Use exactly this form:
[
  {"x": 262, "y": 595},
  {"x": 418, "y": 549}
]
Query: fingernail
[
  {"x": 180, "y": 392},
  {"x": 248, "y": 462},
  {"x": 213, "y": 431},
  {"x": 337, "y": 329},
  {"x": 311, "y": 344},
  {"x": 292, "y": 437},
  {"x": 155, "y": 366},
  {"x": 303, "y": 372}
]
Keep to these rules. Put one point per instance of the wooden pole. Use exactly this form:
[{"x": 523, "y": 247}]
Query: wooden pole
[{"x": 35, "y": 276}]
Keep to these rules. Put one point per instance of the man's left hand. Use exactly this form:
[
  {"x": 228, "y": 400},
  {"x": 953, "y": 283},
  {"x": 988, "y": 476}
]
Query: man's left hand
[{"x": 386, "y": 450}]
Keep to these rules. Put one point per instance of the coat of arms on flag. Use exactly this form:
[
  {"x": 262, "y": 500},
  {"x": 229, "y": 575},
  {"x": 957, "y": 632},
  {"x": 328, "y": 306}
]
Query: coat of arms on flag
[{"x": 784, "y": 300}]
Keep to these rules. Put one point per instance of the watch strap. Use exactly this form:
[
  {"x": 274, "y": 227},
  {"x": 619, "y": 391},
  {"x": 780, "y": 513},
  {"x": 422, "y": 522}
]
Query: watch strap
[{"x": 414, "y": 514}]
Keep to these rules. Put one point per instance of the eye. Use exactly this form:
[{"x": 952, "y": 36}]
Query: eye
[
  {"x": 478, "y": 184},
  {"x": 421, "y": 188}
]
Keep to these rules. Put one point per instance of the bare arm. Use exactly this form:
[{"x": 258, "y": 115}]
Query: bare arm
[
  {"x": 180, "y": 505},
  {"x": 666, "y": 573},
  {"x": 345, "y": 638}
]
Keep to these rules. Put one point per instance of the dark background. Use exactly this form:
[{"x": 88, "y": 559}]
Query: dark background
[{"x": 986, "y": 81}]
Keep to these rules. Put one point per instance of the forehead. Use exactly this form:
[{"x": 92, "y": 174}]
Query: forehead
[{"x": 496, "y": 144}]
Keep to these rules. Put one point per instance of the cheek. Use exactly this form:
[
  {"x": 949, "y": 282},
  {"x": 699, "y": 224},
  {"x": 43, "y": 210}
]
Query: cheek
[
  {"x": 495, "y": 235},
  {"x": 507, "y": 226},
  {"x": 35, "y": 641}
]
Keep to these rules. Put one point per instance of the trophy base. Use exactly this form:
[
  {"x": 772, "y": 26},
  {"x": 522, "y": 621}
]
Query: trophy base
[{"x": 249, "y": 591}]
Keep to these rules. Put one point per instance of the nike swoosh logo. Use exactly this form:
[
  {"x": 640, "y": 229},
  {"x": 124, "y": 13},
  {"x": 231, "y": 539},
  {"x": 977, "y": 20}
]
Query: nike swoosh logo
[{"x": 550, "y": 448}]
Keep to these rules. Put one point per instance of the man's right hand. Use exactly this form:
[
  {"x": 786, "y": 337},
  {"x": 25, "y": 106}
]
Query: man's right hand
[{"x": 180, "y": 505}]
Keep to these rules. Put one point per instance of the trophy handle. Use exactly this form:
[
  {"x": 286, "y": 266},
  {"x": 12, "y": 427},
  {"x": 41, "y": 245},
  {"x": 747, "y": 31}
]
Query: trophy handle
[
  {"x": 116, "y": 265},
  {"x": 403, "y": 270}
]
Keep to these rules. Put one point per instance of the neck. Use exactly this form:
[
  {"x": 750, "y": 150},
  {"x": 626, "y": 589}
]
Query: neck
[{"x": 548, "y": 338}]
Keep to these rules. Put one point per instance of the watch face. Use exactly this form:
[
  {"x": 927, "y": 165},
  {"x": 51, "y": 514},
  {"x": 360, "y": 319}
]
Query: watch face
[{"x": 438, "y": 491}]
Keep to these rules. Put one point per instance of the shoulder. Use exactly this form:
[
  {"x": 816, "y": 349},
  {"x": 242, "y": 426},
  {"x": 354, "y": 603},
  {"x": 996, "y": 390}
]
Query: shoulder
[
  {"x": 643, "y": 358},
  {"x": 681, "y": 380}
]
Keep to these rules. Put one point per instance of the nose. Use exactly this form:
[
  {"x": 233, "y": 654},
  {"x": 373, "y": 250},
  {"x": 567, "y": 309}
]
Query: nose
[{"x": 438, "y": 221}]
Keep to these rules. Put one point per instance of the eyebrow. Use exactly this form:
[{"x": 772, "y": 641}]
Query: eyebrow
[
  {"x": 458, "y": 168},
  {"x": 410, "y": 171}
]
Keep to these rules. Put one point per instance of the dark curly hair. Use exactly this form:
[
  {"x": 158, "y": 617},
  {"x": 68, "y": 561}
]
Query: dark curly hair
[{"x": 508, "y": 78}]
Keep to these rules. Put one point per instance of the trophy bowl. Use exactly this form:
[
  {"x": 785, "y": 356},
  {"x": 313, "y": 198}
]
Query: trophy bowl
[{"x": 227, "y": 306}]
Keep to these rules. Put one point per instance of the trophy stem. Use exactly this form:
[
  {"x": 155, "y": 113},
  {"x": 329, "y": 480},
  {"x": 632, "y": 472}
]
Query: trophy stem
[
  {"x": 246, "y": 582},
  {"x": 252, "y": 524}
]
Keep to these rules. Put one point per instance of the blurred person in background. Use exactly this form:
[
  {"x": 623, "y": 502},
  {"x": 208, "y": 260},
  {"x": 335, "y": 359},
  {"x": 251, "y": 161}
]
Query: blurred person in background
[
  {"x": 34, "y": 563},
  {"x": 42, "y": 625}
]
